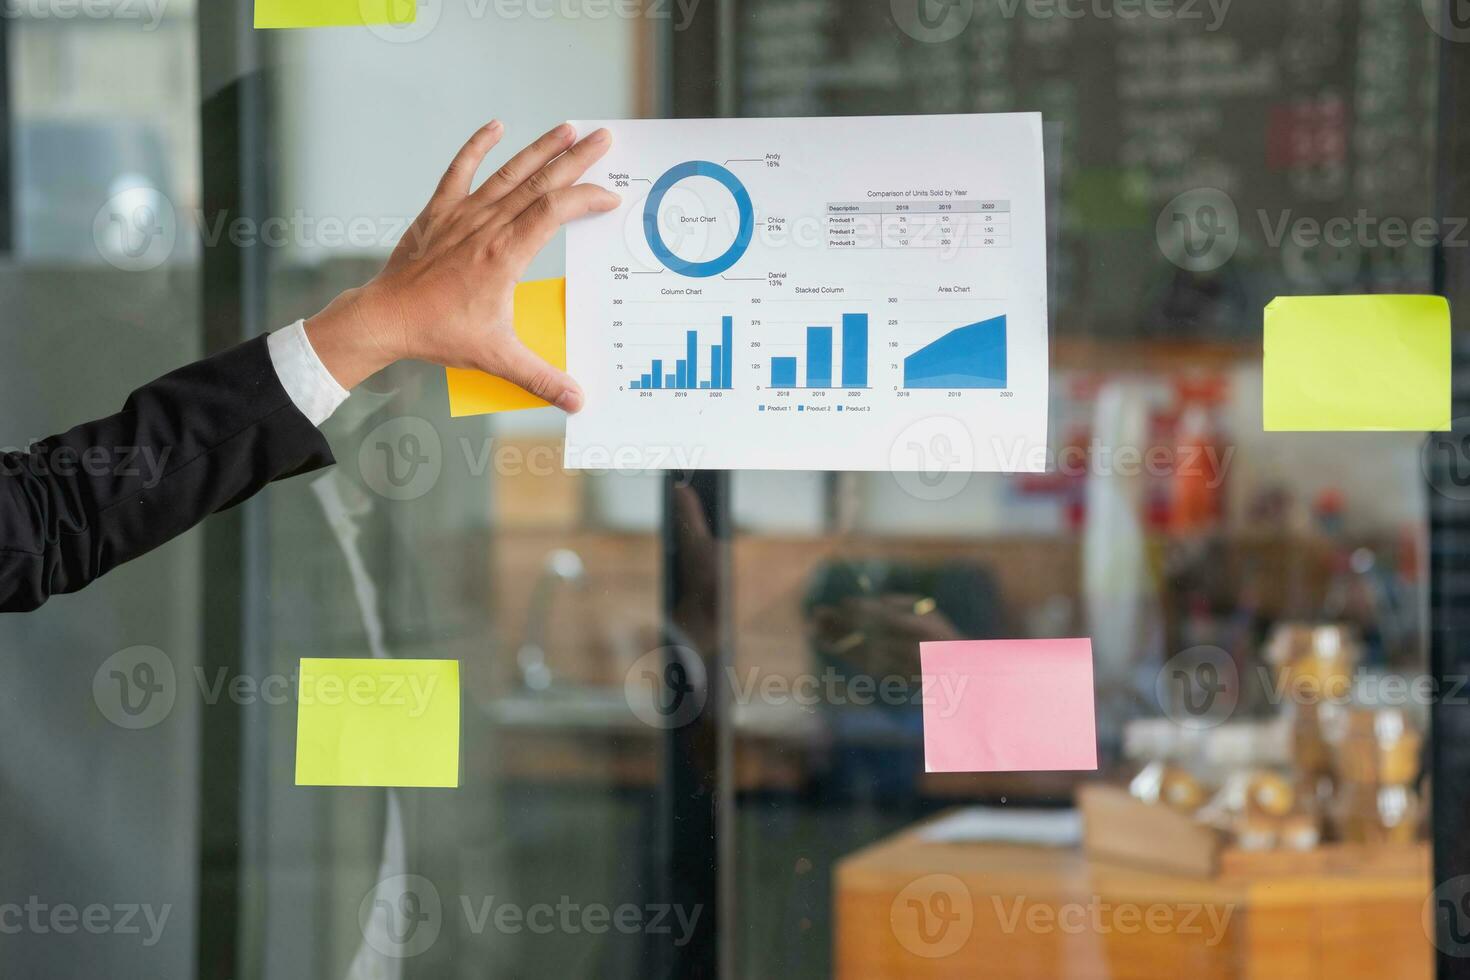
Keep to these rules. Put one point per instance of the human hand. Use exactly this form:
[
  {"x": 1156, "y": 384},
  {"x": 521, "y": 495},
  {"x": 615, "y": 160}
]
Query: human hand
[{"x": 446, "y": 293}]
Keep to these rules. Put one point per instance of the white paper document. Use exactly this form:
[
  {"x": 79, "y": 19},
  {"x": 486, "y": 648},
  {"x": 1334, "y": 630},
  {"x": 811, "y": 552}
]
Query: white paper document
[{"x": 859, "y": 293}]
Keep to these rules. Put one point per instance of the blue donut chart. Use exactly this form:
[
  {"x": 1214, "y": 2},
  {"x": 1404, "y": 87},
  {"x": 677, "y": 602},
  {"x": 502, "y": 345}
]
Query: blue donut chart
[{"x": 746, "y": 231}]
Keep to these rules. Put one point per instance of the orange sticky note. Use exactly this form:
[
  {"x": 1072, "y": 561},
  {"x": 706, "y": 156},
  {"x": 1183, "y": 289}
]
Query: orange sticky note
[
  {"x": 541, "y": 323},
  {"x": 1008, "y": 705},
  {"x": 333, "y": 13}
]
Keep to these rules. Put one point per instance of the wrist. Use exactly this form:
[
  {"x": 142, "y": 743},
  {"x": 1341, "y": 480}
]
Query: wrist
[{"x": 348, "y": 336}]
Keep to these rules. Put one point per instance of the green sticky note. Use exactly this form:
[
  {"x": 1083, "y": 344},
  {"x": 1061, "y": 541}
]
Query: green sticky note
[
  {"x": 377, "y": 722},
  {"x": 333, "y": 13},
  {"x": 1357, "y": 364}
]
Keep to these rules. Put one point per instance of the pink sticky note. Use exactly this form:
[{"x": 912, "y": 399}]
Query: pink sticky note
[{"x": 1008, "y": 705}]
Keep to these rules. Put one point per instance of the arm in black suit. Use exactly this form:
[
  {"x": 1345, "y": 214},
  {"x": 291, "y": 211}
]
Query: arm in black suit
[
  {"x": 196, "y": 441},
  {"x": 209, "y": 435}
]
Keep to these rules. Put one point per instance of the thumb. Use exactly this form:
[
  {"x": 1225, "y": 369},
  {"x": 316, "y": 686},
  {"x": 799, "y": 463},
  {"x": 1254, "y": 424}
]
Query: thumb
[{"x": 519, "y": 365}]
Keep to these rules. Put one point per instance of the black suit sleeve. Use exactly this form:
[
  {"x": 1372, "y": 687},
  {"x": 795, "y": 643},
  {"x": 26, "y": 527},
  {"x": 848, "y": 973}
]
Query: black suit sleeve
[{"x": 194, "y": 442}]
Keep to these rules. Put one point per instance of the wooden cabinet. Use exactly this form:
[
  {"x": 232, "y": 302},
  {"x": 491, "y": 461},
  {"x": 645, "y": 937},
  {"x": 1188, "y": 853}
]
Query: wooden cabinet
[{"x": 906, "y": 908}]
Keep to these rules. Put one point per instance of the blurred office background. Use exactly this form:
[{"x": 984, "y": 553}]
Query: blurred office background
[{"x": 1286, "y": 555}]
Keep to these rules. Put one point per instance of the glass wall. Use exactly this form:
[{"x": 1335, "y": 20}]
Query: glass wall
[
  {"x": 1258, "y": 604},
  {"x": 101, "y": 291},
  {"x": 448, "y": 539}
]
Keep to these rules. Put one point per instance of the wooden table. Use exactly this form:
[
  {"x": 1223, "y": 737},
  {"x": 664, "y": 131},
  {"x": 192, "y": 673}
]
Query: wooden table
[{"x": 906, "y": 908}]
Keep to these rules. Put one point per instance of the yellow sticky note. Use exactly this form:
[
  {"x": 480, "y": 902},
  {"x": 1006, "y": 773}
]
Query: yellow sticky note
[
  {"x": 541, "y": 323},
  {"x": 1357, "y": 364},
  {"x": 377, "y": 723},
  {"x": 333, "y": 13}
]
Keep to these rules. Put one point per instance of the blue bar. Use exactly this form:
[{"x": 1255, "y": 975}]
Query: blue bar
[
  {"x": 670, "y": 379},
  {"x": 783, "y": 372},
  {"x": 691, "y": 361},
  {"x": 658, "y": 373},
  {"x": 681, "y": 375},
  {"x": 819, "y": 357},
  {"x": 727, "y": 350},
  {"x": 636, "y": 385},
  {"x": 647, "y": 382},
  {"x": 854, "y": 350},
  {"x": 714, "y": 366},
  {"x": 704, "y": 384}
]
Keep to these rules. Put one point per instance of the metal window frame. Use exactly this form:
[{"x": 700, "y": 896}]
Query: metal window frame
[
  {"x": 234, "y": 151},
  {"x": 7, "y": 166},
  {"x": 1449, "y": 534}
]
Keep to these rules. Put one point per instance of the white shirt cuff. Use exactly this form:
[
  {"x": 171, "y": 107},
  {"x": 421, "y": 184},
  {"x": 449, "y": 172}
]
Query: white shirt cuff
[{"x": 306, "y": 379}]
